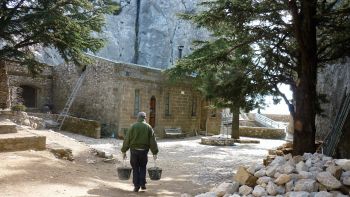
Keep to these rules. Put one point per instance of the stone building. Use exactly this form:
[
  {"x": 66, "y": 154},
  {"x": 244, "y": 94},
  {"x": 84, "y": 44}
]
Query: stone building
[
  {"x": 34, "y": 92},
  {"x": 113, "y": 93}
]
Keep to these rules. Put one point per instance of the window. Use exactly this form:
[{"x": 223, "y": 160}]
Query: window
[
  {"x": 167, "y": 104},
  {"x": 194, "y": 107},
  {"x": 137, "y": 102}
]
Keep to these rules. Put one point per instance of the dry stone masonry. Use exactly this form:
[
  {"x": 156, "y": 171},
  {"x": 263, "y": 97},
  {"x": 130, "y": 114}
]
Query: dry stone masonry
[{"x": 310, "y": 175}]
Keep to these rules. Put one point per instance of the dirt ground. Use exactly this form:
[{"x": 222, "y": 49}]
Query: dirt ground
[{"x": 188, "y": 167}]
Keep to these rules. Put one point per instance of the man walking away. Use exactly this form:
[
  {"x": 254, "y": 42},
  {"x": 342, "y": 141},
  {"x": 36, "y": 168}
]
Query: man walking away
[{"x": 140, "y": 138}]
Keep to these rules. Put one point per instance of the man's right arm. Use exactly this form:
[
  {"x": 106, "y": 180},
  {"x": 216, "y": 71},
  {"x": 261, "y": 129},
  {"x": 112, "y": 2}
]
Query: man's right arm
[{"x": 153, "y": 143}]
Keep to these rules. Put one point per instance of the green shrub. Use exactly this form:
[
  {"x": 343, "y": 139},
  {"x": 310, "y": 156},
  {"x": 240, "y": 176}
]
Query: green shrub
[{"x": 19, "y": 107}]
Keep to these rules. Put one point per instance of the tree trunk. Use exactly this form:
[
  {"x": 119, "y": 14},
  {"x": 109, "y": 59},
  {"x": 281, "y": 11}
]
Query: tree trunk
[
  {"x": 235, "y": 122},
  {"x": 4, "y": 87},
  {"x": 304, "y": 120}
]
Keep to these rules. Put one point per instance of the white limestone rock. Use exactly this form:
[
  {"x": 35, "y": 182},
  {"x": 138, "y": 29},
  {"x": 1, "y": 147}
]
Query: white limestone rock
[
  {"x": 288, "y": 168},
  {"x": 326, "y": 179},
  {"x": 323, "y": 194},
  {"x": 336, "y": 171},
  {"x": 290, "y": 186},
  {"x": 343, "y": 163},
  {"x": 346, "y": 181},
  {"x": 185, "y": 195},
  {"x": 301, "y": 166},
  {"x": 308, "y": 163},
  {"x": 308, "y": 185},
  {"x": 345, "y": 174},
  {"x": 225, "y": 188},
  {"x": 260, "y": 173},
  {"x": 271, "y": 188},
  {"x": 254, "y": 168},
  {"x": 245, "y": 190},
  {"x": 297, "y": 194},
  {"x": 264, "y": 179},
  {"x": 306, "y": 175},
  {"x": 270, "y": 171},
  {"x": 283, "y": 179},
  {"x": 307, "y": 156},
  {"x": 279, "y": 161},
  {"x": 259, "y": 191}
]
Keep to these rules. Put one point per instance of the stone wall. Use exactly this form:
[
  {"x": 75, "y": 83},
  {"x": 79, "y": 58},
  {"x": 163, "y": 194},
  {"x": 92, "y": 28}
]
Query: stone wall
[
  {"x": 22, "y": 142},
  {"x": 42, "y": 83},
  {"x": 81, "y": 126},
  {"x": 278, "y": 117},
  {"x": 108, "y": 93},
  {"x": 262, "y": 132},
  {"x": 4, "y": 87},
  {"x": 333, "y": 81}
]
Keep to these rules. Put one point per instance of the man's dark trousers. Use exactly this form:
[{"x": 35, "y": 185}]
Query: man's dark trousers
[{"x": 138, "y": 161}]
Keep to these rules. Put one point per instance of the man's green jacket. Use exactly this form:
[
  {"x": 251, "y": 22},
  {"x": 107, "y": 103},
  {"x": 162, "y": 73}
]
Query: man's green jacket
[{"x": 140, "y": 136}]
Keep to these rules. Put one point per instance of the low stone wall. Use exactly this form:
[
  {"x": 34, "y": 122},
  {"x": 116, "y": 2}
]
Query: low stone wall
[
  {"x": 19, "y": 143},
  {"x": 90, "y": 128},
  {"x": 262, "y": 132},
  {"x": 214, "y": 141}
]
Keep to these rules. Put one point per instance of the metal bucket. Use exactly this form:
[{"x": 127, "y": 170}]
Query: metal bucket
[
  {"x": 155, "y": 173},
  {"x": 124, "y": 173}
]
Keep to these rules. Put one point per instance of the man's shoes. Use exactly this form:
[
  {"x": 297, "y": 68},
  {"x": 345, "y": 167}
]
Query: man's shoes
[
  {"x": 143, "y": 187},
  {"x": 136, "y": 189}
]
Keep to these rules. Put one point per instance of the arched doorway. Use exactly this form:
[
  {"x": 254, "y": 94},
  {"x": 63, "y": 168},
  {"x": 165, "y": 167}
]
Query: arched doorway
[
  {"x": 152, "y": 113},
  {"x": 28, "y": 95}
]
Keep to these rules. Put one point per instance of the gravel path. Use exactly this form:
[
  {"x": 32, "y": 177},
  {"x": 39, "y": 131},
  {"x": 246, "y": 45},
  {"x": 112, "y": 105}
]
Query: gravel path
[{"x": 203, "y": 164}]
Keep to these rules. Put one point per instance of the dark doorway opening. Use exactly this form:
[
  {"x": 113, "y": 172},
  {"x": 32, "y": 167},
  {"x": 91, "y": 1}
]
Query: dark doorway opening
[
  {"x": 29, "y": 96},
  {"x": 152, "y": 113}
]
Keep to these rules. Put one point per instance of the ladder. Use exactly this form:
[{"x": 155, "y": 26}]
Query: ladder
[
  {"x": 333, "y": 137},
  {"x": 70, "y": 100}
]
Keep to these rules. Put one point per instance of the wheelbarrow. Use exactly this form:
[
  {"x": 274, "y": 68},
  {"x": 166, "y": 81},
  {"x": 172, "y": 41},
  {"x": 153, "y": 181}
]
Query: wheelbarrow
[
  {"x": 155, "y": 172},
  {"x": 124, "y": 171}
]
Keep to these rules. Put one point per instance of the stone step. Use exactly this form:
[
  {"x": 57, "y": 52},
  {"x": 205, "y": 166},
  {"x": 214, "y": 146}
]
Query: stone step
[
  {"x": 7, "y": 126},
  {"x": 22, "y": 140}
]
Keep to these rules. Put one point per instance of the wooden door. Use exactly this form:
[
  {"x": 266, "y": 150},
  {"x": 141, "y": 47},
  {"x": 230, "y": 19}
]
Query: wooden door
[{"x": 152, "y": 113}]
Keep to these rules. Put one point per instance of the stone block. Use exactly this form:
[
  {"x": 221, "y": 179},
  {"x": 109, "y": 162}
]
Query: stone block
[
  {"x": 244, "y": 177},
  {"x": 20, "y": 143},
  {"x": 7, "y": 126},
  {"x": 61, "y": 152}
]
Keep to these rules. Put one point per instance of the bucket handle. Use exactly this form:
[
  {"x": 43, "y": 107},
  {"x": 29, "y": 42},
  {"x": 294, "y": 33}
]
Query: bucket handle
[
  {"x": 124, "y": 162},
  {"x": 155, "y": 162}
]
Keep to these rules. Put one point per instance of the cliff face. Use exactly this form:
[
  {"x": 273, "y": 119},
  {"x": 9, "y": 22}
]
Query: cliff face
[
  {"x": 333, "y": 81},
  {"x": 148, "y": 32}
]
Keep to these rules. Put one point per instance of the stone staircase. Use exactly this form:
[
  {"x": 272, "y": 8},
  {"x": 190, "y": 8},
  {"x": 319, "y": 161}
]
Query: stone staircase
[{"x": 19, "y": 139}]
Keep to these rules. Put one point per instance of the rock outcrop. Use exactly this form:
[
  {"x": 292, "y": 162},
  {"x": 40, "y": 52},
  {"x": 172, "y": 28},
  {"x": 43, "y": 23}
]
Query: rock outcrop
[{"x": 146, "y": 32}]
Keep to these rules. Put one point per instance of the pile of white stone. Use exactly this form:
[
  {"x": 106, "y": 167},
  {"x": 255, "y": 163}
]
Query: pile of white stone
[{"x": 313, "y": 175}]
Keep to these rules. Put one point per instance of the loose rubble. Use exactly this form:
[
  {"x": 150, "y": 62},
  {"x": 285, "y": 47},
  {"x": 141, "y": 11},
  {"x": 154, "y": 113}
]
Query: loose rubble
[{"x": 310, "y": 175}]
